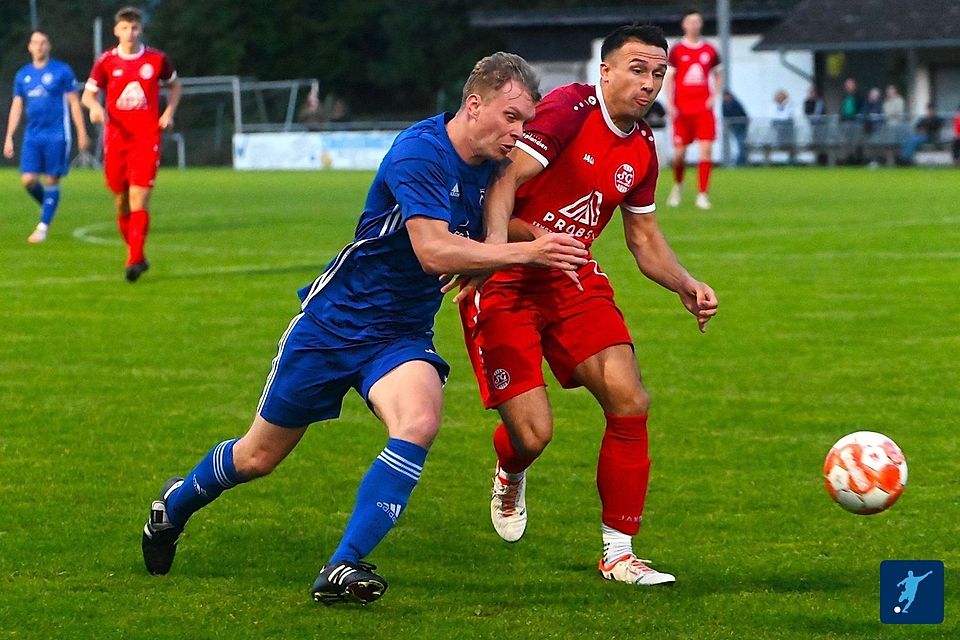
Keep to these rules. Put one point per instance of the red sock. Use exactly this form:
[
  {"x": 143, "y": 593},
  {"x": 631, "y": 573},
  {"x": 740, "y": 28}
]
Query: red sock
[
  {"x": 139, "y": 225},
  {"x": 123, "y": 223},
  {"x": 509, "y": 460},
  {"x": 678, "y": 168},
  {"x": 623, "y": 472},
  {"x": 705, "y": 167}
]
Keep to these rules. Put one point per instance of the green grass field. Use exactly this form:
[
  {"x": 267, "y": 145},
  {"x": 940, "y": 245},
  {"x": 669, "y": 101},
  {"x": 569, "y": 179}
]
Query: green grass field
[{"x": 836, "y": 314}]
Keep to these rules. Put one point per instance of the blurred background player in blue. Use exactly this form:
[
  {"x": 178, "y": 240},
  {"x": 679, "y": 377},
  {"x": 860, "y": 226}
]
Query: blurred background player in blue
[
  {"x": 367, "y": 323},
  {"x": 44, "y": 89}
]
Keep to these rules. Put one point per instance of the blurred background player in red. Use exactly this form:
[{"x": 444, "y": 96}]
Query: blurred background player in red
[
  {"x": 692, "y": 85},
  {"x": 130, "y": 77},
  {"x": 586, "y": 152}
]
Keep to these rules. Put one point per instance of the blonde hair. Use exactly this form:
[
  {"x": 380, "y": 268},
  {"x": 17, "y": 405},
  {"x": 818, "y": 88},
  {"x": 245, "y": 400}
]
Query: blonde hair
[{"x": 493, "y": 72}]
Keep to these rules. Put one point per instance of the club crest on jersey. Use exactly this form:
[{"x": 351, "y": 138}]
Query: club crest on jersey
[
  {"x": 704, "y": 57},
  {"x": 146, "y": 71},
  {"x": 501, "y": 379},
  {"x": 132, "y": 97},
  {"x": 623, "y": 178},
  {"x": 46, "y": 78}
]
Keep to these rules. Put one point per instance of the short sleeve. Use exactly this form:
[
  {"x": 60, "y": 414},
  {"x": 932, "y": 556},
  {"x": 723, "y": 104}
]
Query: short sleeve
[
  {"x": 672, "y": 56},
  {"x": 557, "y": 121},
  {"x": 18, "y": 86},
  {"x": 167, "y": 72},
  {"x": 642, "y": 198},
  {"x": 417, "y": 179},
  {"x": 98, "y": 77},
  {"x": 68, "y": 80},
  {"x": 716, "y": 58}
]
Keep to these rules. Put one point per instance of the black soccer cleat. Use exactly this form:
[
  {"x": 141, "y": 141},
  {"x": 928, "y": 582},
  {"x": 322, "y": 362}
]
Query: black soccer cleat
[
  {"x": 348, "y": 582},
  {"x": 135, "y": 270},
  {"x": 160, "y": 538}
]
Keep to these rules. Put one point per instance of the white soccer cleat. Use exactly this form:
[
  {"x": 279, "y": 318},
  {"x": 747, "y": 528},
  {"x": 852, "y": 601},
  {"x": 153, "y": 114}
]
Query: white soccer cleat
[
  {"x": 38, "y": 235},
  {"x": 702, "y": 202},
  {"x": 508, "y": 507},
  {"x": 630, "y": 568},
  {"x": 673, "y": 200}
]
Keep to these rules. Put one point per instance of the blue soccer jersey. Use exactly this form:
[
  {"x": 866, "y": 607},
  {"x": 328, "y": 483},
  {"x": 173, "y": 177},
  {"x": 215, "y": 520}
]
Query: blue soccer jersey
[
  {"x": 372, "y": 309},
  {"x": 44, "y": 92},
  {"x": 375, "y": 290}
]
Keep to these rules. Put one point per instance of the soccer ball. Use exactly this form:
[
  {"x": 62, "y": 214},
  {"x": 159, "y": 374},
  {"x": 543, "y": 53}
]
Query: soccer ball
[{"x": 865, "y": 472}]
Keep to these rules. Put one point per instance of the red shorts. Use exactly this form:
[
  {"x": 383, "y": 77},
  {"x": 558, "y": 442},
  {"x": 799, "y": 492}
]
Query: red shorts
[
  {"x": 688, "y": 127},
  {"x": 524, "y": 315},
  {"x": 130, "y": 160}
]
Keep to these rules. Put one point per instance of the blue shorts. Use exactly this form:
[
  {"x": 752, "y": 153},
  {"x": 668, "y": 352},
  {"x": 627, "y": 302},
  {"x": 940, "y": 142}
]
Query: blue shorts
[
  {"x": 314, "y": 370},
  {"x": 49, "y": 156}
]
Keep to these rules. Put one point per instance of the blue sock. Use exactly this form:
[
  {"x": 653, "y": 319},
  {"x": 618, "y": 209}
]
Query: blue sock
[
  {"x": 381, "y": 498},
  {"x": 51, "y": 198},
  {"x": 204, "y": 484},
  {"x": 36, "y": 192}
]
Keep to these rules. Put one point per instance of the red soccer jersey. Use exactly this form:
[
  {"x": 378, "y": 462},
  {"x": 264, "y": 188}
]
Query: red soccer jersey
[
  {"x": 132, "y": 85},
  {"x": 592, "y": 167},
  {"x": 691, "y": 80}
]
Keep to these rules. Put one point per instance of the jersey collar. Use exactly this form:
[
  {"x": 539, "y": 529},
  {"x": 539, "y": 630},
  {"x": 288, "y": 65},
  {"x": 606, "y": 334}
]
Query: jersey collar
[
  {"x": 606, "y": 116},
  {"x": 132, "y": 56}
]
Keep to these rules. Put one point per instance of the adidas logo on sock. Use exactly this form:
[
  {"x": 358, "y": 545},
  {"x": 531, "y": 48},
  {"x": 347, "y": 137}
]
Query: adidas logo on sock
[{"x": 391, "y": 509}]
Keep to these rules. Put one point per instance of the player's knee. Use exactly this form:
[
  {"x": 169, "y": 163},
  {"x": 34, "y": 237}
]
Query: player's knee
[
  {"x": 533, "y": 445},
  {"x": 629, "y": 401},
  {"x": 28, "y": 180},
  {"x": 530, "y": 440},
  {"x": 420, "y": 428}
]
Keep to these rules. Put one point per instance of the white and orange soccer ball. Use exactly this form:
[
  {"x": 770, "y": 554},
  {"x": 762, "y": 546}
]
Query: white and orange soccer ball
[{"x": 865, "y": 472}]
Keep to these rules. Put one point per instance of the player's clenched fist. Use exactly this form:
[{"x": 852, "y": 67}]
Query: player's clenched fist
[
  {"x": 558, "y": 250},
  {"x": 700, "y": 300}
]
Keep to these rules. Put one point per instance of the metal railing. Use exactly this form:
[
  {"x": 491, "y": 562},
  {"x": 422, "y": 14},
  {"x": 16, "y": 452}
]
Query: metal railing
[{"x": 829, "y": 138}]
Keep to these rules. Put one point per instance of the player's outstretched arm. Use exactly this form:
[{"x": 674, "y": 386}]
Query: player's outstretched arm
[
  {"x": 173, "y": 101},
  {"x": 658, "y": 262},
  {"x": 13, "y": 121},
  {"x": 76, "y": 114},
  {"x": 440, "y": 251}
]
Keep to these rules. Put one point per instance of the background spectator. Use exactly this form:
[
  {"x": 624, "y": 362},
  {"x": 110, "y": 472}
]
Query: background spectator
[
  {"x": 813, "y": 105},
  {"x": 894, "y": 106},
  {"x": 737, "y": 122},
  {"x": 927, "y": 131},
  {"x": 852, "y": 103},
  {"x": 781, "y": 119},
  {"x": 851, "y": 133},
  {"x": 873, "y": 111}
]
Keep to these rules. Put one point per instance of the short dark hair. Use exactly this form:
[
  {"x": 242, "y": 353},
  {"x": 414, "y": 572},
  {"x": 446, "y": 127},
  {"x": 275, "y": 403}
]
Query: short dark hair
[
  {"x": 128, "y": 14},
  {"x": 41, "y": 32},
  {"x": 690, "y": 12},
  {"x": 646, "y": 33},
  {"x": 496, "y": 70}
]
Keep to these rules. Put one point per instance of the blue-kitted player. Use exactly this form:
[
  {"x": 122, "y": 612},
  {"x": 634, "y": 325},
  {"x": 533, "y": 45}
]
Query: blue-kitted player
[
  {"x": 367, "y": 323},
  {"x": 45, "y": 89}
]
